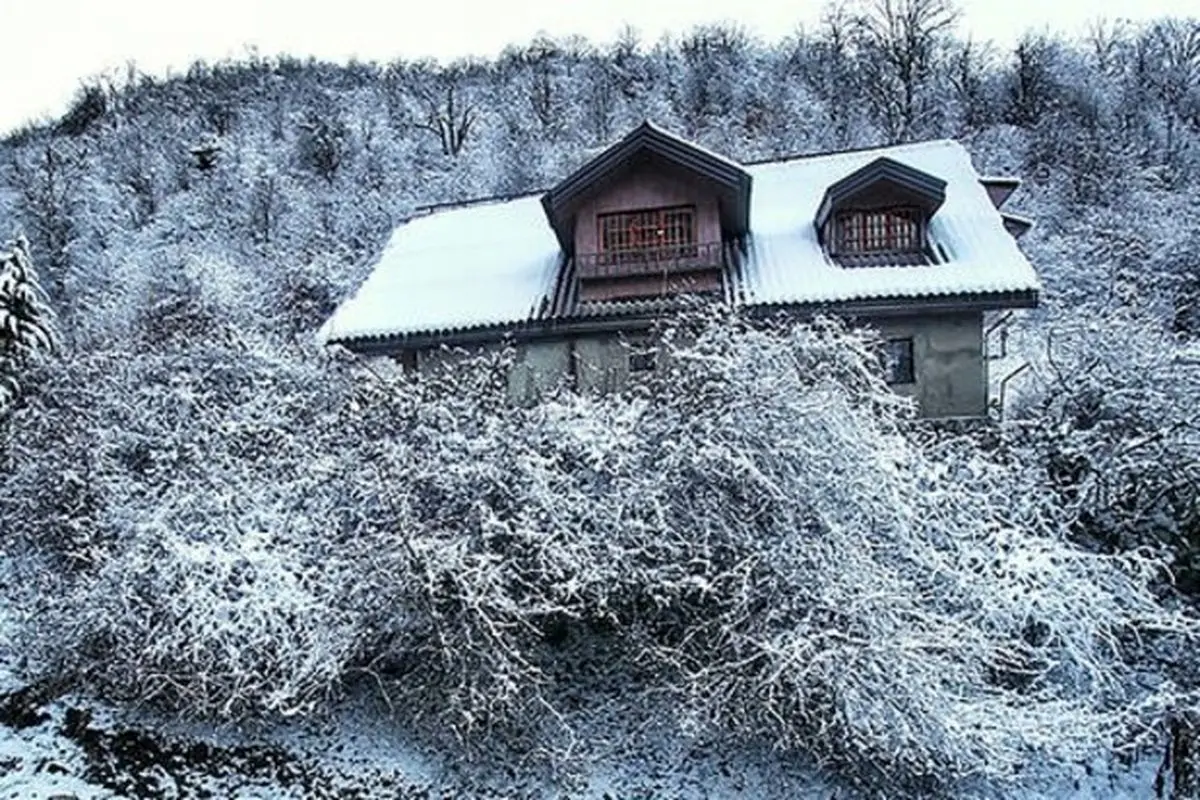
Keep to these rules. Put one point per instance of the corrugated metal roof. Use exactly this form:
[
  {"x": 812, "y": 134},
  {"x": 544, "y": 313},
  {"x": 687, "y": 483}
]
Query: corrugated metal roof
[
  {"x": 464, "y": 268},
  {"x": 786, "y": 264},
  {"x": 500, "y": 264}
]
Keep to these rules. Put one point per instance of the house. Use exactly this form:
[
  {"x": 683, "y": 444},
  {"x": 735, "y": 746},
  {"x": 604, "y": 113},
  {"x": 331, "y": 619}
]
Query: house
[{"x": 909, "y": 239}]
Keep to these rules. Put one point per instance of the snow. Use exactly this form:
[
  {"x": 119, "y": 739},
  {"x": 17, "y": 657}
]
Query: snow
[
  {"x": 786, "y": 264},
  {"x": 496, "y": 263},
  {"x": 462, "y": 268},
  {"x": 693, "y": 145}
]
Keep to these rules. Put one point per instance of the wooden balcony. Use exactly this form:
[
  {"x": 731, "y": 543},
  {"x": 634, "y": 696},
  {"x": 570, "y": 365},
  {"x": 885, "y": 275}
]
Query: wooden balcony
[{"x": 650, "y": 261}]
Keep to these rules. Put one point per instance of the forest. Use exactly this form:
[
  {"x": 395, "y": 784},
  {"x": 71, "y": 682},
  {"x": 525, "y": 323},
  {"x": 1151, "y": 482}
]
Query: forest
[{"x": 207, "y": 518}]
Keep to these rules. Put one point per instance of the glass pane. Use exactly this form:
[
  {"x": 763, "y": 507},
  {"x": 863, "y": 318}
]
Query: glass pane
[
  {"x": 652, "y": 229},
  {"x": 898, "y": 361}
]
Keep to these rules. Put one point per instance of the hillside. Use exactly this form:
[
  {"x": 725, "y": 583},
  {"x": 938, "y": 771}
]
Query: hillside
[{"x": 275, "y": 569}]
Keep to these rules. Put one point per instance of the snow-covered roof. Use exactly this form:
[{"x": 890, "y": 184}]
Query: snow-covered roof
[
  {"x": 497, "y": 264},
  {"x": 786, "y": 264},
  {"x": 477, "y": 266}
]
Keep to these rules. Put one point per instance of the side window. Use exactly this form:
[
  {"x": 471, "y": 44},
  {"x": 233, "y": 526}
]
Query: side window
[
  {"x": 642, "y": 354},
  {"x": 641, "y": 361},
  {"x": 898, "y": 362}
]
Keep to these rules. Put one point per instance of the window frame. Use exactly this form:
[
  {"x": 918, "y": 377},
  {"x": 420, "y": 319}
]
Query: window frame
[
  {"x": 899, "y": 370},
  {"x": 641, "y": 354},
  {"x": 642, "y": 361},
  {"x": 871, "y": 231},
  {"x": 629, "y": 228}
]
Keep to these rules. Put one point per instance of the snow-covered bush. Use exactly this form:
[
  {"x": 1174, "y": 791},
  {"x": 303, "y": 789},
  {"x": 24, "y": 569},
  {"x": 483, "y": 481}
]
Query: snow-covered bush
[
  {"x": 1111, "y": 418},
  {"x": 757, "y": 523},
  {"x": 218, "y": 611},
  {"x": 195, "y": 520},
  {"x": 757, "y": 531}
]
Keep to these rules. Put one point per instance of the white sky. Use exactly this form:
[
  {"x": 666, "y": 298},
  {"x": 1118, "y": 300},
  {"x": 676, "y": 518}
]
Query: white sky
[{"x": 49, "y": 46}]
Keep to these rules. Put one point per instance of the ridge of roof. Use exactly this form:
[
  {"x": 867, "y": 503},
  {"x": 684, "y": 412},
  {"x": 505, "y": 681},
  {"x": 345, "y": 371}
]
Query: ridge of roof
[
  {"x": 1017, "y": 224},
  {"x": 654, "y": 126},
  {"x": 426, "y": 209},
  {"x": 924, "y": 144}
]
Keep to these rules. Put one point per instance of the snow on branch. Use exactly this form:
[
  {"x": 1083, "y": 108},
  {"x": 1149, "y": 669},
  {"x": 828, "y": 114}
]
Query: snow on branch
[{"x": 761, "y": 528}]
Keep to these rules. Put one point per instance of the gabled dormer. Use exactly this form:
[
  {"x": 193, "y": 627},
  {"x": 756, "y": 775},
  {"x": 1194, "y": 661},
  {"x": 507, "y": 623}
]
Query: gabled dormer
[
  {"x": 650, "y": 216},
  {"x": 879, "y": 216}
]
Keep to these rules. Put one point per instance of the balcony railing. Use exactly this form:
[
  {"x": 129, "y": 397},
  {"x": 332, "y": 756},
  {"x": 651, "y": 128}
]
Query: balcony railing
[{"x": 649, "y": 261}]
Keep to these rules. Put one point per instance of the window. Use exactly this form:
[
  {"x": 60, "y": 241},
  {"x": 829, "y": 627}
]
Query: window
[
  {"x": 641, "y": 361},
  {"x": 878, "y": 231},
  {"x": 898, "y": 361},
  {"x": 407, "y": 359},
  {"x": 671, "y": 231},
  {"x": 641, "y": 352}
]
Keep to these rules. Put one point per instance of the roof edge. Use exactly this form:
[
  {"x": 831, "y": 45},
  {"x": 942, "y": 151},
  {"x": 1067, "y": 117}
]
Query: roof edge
[
  {"x": 1017, "y": 224},
  {"x": 535, "y": 330}
]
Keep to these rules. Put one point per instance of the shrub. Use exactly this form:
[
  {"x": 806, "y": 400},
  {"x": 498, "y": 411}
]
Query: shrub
[
  {"x": 798, "y": 568},
  {"x": 758, "y": 531},
  {"x": 1111, "y": 420}
]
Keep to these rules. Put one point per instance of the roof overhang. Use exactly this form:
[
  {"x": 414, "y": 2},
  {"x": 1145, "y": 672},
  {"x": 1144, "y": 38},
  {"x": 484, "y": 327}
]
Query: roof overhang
[
  {"x": 1000, "y": 188},
  {"x": 920, "y": 188},
  {"x": 648, "y": 141},
  {"x": 544, "y": 329},
  {"x": 1016, "y": 224}
]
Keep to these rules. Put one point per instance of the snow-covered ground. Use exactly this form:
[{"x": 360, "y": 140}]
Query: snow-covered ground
[{"x": 76, "y": 748}]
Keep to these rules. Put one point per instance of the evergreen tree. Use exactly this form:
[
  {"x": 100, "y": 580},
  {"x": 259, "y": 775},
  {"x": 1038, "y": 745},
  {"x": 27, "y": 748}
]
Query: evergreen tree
[{"x": 26, "y": 322}]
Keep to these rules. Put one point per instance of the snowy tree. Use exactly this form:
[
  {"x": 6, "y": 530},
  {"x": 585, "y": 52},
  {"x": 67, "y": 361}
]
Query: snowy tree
[
  {"x": 714, "y": 60},
  {"x": 824, "y": 62},
  {"x": 1033, "y": 84},
  {"x": 1115, "y": 433},
  {"x": 27, "y": 330},
  {"x": 755, "y": 527},
  {"x": 324, "y": 143},
  {"x": 447, "y": 108},
  {"x": 89, "y": 107},
  {"x": 900, "y": 43},
  {"x": 1171, "y": 55},
  {"x": 969, "y": 70},
  {"x": 48, "y": 175}
]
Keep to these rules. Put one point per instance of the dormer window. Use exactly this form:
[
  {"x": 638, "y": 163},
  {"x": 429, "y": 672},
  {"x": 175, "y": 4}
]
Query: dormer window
[
  {"x": 650, "y": 217},
  {"x": 892, "y": 230},
  {"x": 879, "y": 216},
  {"x": 649, "y": 233}
]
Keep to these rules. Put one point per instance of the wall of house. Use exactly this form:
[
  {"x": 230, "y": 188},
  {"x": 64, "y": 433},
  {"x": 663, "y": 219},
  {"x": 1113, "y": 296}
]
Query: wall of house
[
  {"x": 649, "y": 187},
  {"x": 949, "y": 363},
  {"x": 538, "y": 369},
  {"x": 593, "y": 363},
  {"x": 949, "y": 366}
]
